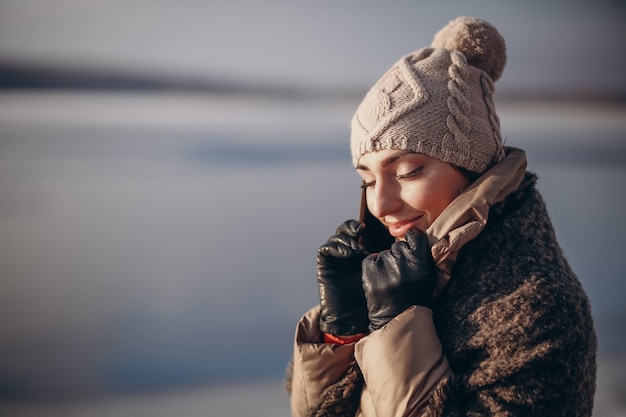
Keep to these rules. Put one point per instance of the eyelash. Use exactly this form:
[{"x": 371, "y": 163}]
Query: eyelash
[{"x": 409, "y": 174}]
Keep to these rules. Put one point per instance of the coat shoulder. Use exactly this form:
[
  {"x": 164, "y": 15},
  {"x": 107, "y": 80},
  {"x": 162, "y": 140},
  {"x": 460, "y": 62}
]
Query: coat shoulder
[{"x": 514, "y": 310}]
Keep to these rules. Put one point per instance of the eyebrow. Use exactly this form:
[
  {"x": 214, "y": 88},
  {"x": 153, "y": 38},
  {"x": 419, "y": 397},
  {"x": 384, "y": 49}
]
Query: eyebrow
[{"x": 387, "y": 161}]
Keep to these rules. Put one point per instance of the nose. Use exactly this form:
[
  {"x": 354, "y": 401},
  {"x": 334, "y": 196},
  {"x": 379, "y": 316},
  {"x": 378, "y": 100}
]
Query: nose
[{"x": 383, "y": 199}]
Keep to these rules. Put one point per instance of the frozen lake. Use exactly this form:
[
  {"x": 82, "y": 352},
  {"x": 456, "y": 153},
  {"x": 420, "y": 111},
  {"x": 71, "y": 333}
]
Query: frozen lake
[{"x": 166, "y": 242}]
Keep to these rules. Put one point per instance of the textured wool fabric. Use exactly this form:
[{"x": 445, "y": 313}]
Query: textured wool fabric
[
  {"x": 514, "y": 321},
  {"x": 438, "y": 100}
]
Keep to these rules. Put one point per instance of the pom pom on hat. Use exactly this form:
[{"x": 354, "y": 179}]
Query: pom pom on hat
[{"x": 478, "y": 40}]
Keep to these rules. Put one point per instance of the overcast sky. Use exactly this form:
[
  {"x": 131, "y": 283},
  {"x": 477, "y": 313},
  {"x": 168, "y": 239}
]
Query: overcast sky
[{"x": 348, "y": 43}]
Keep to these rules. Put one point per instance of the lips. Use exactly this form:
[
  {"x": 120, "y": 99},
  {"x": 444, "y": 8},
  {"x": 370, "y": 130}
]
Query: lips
[{"x": 399, "y": 229}]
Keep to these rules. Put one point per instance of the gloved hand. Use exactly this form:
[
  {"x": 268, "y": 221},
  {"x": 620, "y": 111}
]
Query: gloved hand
[
  {"x": 344, "y": 310},
  {"x": 398, "y": 278}
]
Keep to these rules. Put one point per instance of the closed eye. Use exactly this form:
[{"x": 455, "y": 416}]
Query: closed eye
[{"x": 410, "y": 174}]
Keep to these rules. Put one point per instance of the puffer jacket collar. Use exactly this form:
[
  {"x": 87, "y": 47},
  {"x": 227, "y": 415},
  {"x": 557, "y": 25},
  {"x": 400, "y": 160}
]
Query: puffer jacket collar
[{"x": 467, "y": 215}]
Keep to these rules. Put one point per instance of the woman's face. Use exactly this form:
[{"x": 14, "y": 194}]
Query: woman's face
[{"x": 408, "y": 190}]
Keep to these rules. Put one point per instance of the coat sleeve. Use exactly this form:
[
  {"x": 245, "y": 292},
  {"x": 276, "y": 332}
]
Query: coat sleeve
[
  {"x": 402, "y": 364},
  {"x": 316, "y": 365}
]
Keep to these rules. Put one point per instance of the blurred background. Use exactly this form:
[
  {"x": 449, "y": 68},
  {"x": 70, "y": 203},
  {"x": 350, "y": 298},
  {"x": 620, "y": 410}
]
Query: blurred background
[{"x": 168, "y": 170}]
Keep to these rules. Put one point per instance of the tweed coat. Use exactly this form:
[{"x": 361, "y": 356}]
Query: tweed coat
[{"x": 511, "y": 328}]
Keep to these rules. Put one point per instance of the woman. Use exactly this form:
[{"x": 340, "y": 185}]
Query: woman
[{"x": 470, "y": 308}]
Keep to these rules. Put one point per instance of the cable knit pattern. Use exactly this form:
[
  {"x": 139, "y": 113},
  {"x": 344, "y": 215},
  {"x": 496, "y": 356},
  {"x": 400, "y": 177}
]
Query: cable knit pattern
[
  {"x": 398, "y": 92},
  {"x": 455, "y": 145},
  {"x": 435, "y": 101}
]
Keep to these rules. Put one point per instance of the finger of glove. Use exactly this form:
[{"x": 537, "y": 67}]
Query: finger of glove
[
  {"x": 383, "y": 287},
  {"x": 380, "y": 272},
  {"x": 389, "y": 279},
  {"x": 348, "y": 241},
  {"x": 351, "y": 228},
  {"x": 417, "y": 240},
  {"x": 420, "y": 266},
  {"x": 414, "y": 248},
  {"x": 339, "y": 249}
]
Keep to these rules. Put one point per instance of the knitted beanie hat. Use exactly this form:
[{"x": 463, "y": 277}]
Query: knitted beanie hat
[{"x": 438, "y": 100}]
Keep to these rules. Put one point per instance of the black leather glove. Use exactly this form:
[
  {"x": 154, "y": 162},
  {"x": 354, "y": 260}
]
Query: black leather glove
[
  {"x": 344, "y": 309},
  {"x": 398, "y": 278}
]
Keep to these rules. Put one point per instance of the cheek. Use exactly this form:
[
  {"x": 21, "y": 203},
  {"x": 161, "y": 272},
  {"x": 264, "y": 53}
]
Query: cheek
[
  {"x": 431, "y": 198},
  {"x": 442, "y": 201}
]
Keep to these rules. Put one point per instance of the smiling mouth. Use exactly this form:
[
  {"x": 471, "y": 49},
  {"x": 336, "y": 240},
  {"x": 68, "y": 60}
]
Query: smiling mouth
[{"x": 400, "y": 229}]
